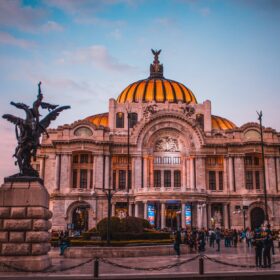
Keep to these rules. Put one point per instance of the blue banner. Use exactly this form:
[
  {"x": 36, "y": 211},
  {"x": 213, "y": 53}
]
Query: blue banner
[
  {"x": 188, "y": 214},
  {"x": 151, "y": 214}
]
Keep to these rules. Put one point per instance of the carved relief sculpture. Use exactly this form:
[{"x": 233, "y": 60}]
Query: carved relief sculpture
[{"x": 167, "y": 144}]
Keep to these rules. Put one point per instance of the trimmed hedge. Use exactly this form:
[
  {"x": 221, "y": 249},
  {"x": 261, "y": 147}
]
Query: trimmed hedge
[
  {"x": 129, "y": 226},
  {"x": 142, "y": 236}
]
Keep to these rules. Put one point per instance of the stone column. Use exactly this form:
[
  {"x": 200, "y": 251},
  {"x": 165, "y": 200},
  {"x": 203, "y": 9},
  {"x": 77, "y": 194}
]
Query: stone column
[
  {"x": 57, "y": 171},
  {"x": 130, "y": 209},
  {"x": 199, "y": 215},
  {"x": 183, "y": 218},
  {"x": 88, "y": 179},
  {"x": 204, "y": 216},
  {"x": 188, "y": 174},
  {"x": 225, "y": 178},
  {"x": 137, "y": 172},
  {"x": 277, "y": 174},
  {"x": 192, "y": 179},
  {"x": 93, "y": 171},
  {"x": 200, "y": 173},
  {"x": 162, "y": 210},
  {"x": 132, "y": 160},
  {"x": 267, "y": 173},
  {"x": 24, "y": 236},
  {"x": 184, "y": 179},
  {"x": 145, "y": 209},
  {"x": 113, "y": 209},
  {"x": 230, "y": 174},
  {"x": 145, "y": 179},
  {"x": 225, "y": 212},
  {"x": 107, "y": 163},
  {"x": 239, "y": 173},
  {"x": 151, "y": 171},
  {"x": 209, "y": 214},
  {"x": 98, "y": 164},
  {"x": 42, "y": 168},
  {"x": 136, "y": 212}
]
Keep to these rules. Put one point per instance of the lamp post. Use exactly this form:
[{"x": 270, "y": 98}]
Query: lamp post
[
  {"x": 128, "y": 158},
  {"x": 109, "y": 194},
  {"x": 263, "y": 165}
]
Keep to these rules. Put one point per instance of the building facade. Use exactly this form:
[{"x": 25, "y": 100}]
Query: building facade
[{"x": 168, "y": 159}]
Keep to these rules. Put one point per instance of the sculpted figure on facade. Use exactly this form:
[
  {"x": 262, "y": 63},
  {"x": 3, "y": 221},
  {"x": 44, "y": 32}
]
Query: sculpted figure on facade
[
  {"x": 149, "y": 111},
  {"x": 167, "y": 144}
]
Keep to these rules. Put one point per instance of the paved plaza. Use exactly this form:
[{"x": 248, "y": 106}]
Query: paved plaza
[{"x": 229, "y": 260}]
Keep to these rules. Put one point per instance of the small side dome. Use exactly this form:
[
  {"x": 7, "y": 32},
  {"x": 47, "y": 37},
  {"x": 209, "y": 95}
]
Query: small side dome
[
  {"x": 220, "y": 123},
  {"x": 99, "y": 119}
]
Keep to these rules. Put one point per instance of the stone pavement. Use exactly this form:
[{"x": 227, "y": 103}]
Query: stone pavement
[{"x": 241, "y": 256}]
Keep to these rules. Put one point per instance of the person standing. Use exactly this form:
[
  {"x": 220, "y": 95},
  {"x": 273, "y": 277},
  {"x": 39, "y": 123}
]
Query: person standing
[
  {"x": 177, "y": 242},
  {"x": 258, "y": 242},
  {"x": 212, "y": 238},
  {"x": 267, "y": 244},
  {"x": 235, "y": 237},
  {"x": 218, "y": 238}
]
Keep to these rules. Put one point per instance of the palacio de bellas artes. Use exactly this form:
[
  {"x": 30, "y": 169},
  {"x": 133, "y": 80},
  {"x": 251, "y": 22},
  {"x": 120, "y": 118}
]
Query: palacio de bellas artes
[
  {"x": 139, "y": 139},
  {"x": 169, "y": 158}
]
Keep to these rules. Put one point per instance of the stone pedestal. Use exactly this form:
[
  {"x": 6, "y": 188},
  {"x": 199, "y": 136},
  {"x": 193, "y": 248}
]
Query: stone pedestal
[{"x": 24, "y": 225}]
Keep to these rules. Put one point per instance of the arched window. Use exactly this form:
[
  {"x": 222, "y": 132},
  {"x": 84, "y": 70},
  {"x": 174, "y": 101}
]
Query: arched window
[
  {"x": 133, "y": 119},
  {"x": 120, "y": 120},
  {"x": 82, "y": 170}
]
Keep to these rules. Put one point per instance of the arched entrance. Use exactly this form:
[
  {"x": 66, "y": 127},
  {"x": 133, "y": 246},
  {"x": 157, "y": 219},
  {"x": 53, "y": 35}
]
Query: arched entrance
[
  {"x": 257, "y": 217},
  {"x": 80, "y": 218}
]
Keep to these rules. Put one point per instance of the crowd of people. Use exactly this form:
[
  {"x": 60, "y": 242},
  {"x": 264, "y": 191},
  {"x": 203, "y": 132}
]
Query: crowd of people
[{"x": 260, "y": 238}]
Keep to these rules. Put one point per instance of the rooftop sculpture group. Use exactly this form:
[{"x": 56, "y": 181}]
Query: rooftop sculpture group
[{"x": 29, "y": 130}]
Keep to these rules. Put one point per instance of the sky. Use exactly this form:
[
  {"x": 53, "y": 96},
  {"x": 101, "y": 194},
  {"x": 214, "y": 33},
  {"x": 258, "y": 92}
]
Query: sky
[{"x": 88, "y": 51}]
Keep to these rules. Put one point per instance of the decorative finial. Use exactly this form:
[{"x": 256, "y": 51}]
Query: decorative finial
[{"x": 156, "y": 69}]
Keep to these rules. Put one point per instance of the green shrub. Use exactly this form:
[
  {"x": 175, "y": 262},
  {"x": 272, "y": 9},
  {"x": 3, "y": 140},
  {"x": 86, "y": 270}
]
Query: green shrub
[
  {"x": 132, "y": 225},
  {"x": 115, "y": 226}
]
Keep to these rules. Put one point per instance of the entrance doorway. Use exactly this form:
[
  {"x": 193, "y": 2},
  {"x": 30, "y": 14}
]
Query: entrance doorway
[
  {"x": 80, "y": 218},
  {"x": 173, "y": 215},
  {"x": 257, "y": 217}
]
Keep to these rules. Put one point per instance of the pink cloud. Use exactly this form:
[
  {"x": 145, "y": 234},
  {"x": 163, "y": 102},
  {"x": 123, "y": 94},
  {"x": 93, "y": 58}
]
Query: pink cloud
[
  {"x": 97, "y": 55},
  {"x": 8, "y": 39}
]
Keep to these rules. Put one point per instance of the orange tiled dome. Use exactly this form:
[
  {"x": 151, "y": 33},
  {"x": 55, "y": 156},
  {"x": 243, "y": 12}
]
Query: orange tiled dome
[
  {"x": 221, "y": 123},
  {"x": 99, "y": 119},
  {"x": 158, "y": 90}
]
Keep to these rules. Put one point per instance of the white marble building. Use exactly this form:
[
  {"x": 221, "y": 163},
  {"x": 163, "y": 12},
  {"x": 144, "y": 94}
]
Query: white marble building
[{"x": 183, "y": 165}]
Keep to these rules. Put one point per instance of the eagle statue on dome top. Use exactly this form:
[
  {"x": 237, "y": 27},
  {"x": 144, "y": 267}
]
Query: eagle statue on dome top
[
  {"x": 28, "y": 132},
  {"x": 156, "y": 69}
]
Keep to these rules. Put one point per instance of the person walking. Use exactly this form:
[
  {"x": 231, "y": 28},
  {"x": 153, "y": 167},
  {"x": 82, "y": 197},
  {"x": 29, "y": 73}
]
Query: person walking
[
  {"x": 64, "y": 242},
  {"x": 218, "y": 238},
  {"x": 212, "y": 238},
  {"x": 177, "y": 242},
  {"x": 267, "y": 244},
  {"x": 258, "y": 242},
  {"x": 201, "y": 241},
  {"x": 235, "y": 237}
]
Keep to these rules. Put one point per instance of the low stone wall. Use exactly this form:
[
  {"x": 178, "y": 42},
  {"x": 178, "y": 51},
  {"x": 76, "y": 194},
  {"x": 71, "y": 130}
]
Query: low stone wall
[
  {"x": 119, "y": 252},
  {"x": 24, "y": 225}
]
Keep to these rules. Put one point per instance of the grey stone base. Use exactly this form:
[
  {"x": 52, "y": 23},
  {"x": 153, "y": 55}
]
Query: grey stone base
[
  {"x": 123, "y": 252},
  {"x": 25, "y": 263}
]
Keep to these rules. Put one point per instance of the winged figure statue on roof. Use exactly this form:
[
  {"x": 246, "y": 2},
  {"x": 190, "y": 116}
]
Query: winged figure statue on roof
[{"x": 28, "y": 131}]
